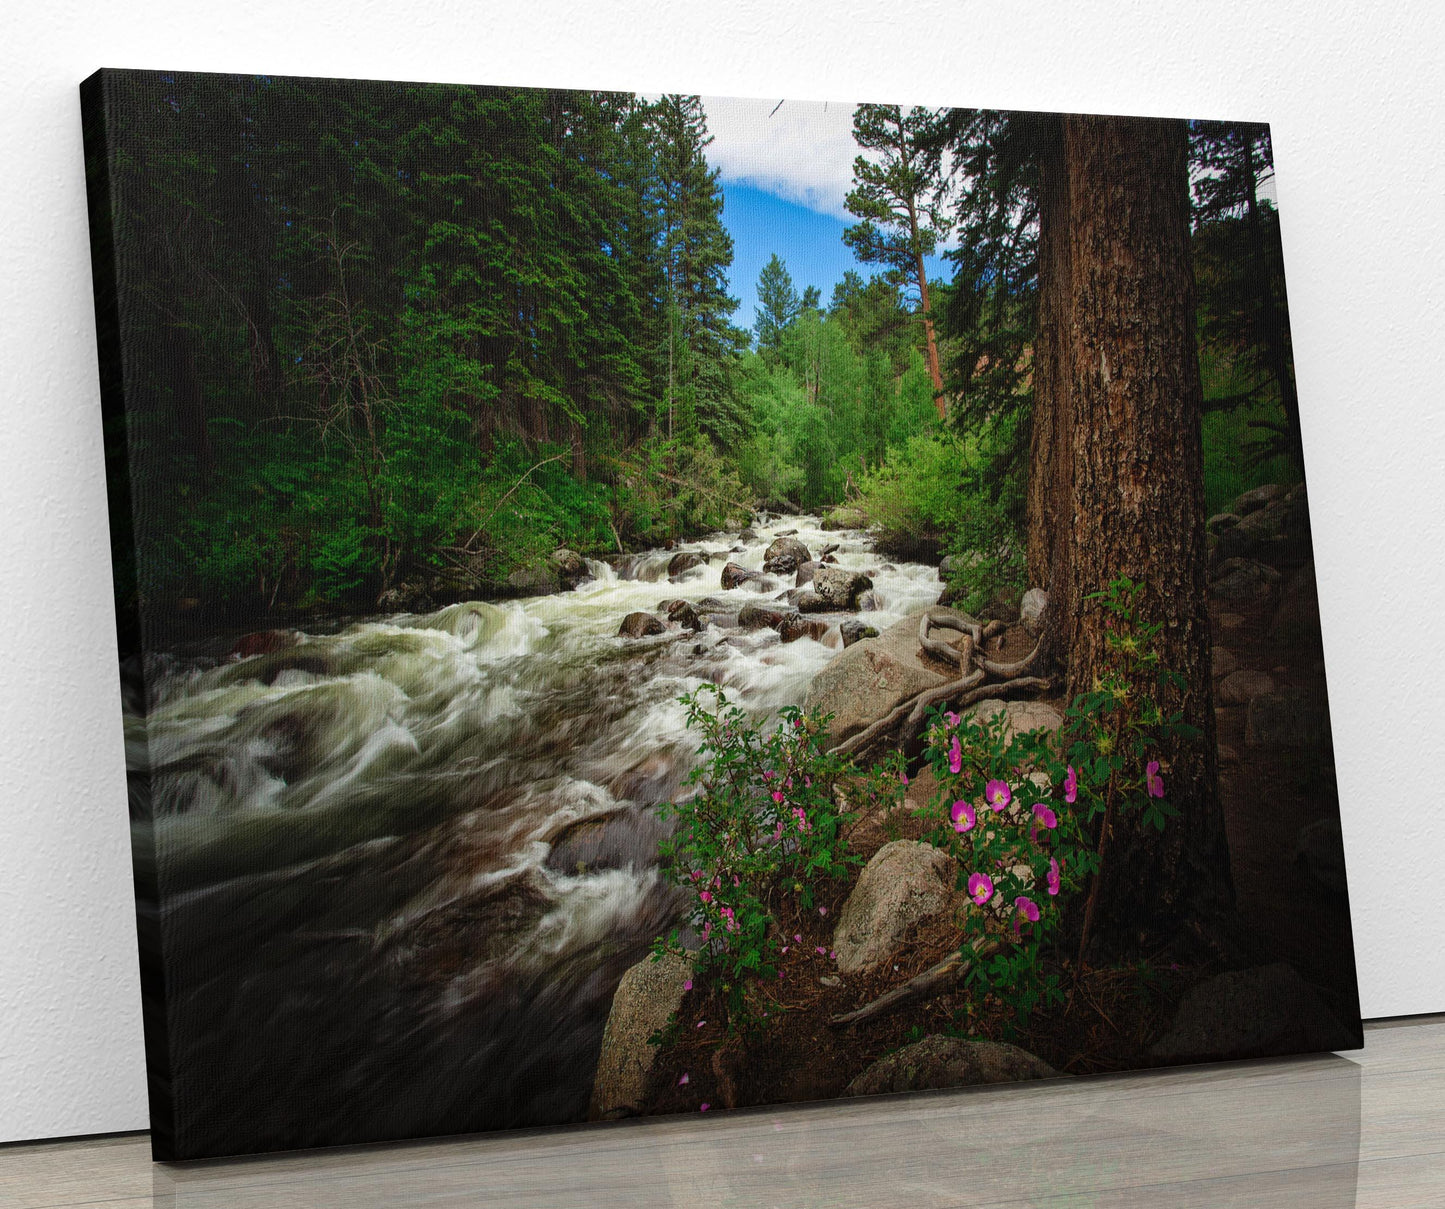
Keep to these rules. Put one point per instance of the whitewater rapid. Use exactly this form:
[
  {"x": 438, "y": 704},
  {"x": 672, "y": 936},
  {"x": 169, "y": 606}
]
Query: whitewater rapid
[{"x": 432, "y": 838}]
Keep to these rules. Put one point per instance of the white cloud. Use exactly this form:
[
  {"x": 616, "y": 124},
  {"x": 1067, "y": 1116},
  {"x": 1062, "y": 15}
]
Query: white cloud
[{"x": 802, "y": 151}]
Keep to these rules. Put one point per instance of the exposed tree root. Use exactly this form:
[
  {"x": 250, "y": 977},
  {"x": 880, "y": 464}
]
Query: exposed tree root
[
  {"x": 933, "y": 981},
  {"x": 1021, "y": 667}
]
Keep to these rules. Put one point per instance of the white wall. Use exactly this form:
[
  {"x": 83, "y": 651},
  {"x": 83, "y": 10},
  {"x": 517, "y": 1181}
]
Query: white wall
[{"x": 1351, "y": 91}]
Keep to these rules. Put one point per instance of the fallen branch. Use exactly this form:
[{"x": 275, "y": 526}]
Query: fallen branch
[{"x": 933, "y": 981}]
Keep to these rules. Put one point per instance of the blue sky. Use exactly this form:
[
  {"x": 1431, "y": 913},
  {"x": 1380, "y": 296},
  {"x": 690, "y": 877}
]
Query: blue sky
[{"x": 785, "y": 170}]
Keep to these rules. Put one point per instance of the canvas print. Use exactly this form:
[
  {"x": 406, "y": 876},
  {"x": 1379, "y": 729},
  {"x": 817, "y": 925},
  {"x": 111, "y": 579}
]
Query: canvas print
[{"x": 642, "y": 604}]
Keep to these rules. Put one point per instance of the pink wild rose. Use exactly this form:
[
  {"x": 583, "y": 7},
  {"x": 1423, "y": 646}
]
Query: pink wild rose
[
  {"x": 1153, "y": 780},
  {"x": 955, "y": 757},
  {"x": 1071, "y": 786},
  {"x": 980, "y": 888},
  {"x": 997, "y": 794},
  {"x": 1051, "y": 879},
  {"x": 963, "y": 816}
]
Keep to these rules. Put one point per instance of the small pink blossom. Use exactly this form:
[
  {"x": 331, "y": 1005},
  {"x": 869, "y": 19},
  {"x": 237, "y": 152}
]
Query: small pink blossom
[
  {"x": 785, "y": 948},
  {"x": 797, "y": 938},
  {"x": 955, "y": 757},
  {"x": 1071, "y": 786},
  {"x": 822, "y": 910},
  {"x": 963, "y": 816},
  {"x": 683, "y": 1082},
  {"x": 706, "y": 896},
  {"x": 997, "y": 794},
  {"x": 777, "y": 795},
  {"x": 904, "y": 777},
  {"x": 820, "y": 949},
  {"x": 1045, "y": 816},
  {"x": 980, "y": 888},
  {"x": 1027, "y": 908},
  {"x": 832, "y": 955},
  {"x": 700, "y": 1023},
  {"x": 951, "y": 718},
  {"x": 687, "y": 986},
  {"x": 1052, "y": 877},
  {"x": 1153, "y": 780},
  {"x": 703, "y": 1107}
]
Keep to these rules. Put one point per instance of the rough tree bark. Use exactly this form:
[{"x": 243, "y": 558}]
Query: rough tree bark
[
  {"x": 1138, "y": 492},
  {"x": 1050, "y": 506}
]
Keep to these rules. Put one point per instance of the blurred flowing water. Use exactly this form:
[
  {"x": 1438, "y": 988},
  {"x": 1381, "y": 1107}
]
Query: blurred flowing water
[{"x": 403, "y": 866}]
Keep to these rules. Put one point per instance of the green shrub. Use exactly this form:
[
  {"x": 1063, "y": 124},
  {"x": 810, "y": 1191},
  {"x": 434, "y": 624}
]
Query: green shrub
[{"x": 764, "y": 826}]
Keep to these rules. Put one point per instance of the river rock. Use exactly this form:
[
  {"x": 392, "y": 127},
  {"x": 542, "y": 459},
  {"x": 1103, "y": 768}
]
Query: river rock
[
  {"x": 640, "y": 625},
  {"x": 905, "y": 881},
  {"x": 571, "y": 568},
  {"x": 806, "y": 572},
  {"x": 785, "y": 555},
  {"x": 795, "y": 626},
  {"x": 1242, "y": 687},
  {"x": 755, "y": 617},
  {"x": 853, "y": 630},
  {"x": 683, "y": 562},
  {"x": 619, "y": 839},
  {"x": 649, "y": 993},
  {"x": 734, "y": 576},
  {"x": 1320, "y": 852},
  {"x": 865, "y": 681},
  {"x": 408, "y": 597},
  {"x": 939, "y": 1061},
  {"x": 1219, "y": 522},
  {"x": 839, "y": 588},
  {"x": 1252, "y": 1014},
  {"x": 680, "y": 612},
  {"x": 1031, "y": 610},
  {"x": 1289, "y": 718}
]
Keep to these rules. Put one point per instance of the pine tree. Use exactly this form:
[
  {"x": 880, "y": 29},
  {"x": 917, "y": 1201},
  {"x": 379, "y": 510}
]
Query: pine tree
[
  {"x": 778, "y": 305},
  {"x": 897, "y": 195}
]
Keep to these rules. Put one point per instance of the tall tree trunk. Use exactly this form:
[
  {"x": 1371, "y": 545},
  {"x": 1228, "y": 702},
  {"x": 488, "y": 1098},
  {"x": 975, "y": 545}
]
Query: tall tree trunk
[
  {"x": 1272, "y": 323},
  {"x": 929, "y": 335},
  {"x": 1138, "y": 489},
  {"x": 1050, "y": 502}
]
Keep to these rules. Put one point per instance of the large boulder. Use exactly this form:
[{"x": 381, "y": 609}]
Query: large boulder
[
  {"x": 1244, "y": 581},
  {"x": 681, "y": 563},
  {"x": 785, "y": 555},
  {"x": 681, "y": 612},
  {"x": 640, "y": 625},
  {"x": 806, "y": 572},
  {"x": 571, "y": 568},
  {"x": 1256, "y": 498},
  {"x": 1251, "y": 1014},
  {"x": 1022, "y": 716},
  {"x": 845, "y": 518},
  {"x": 866, "y": 680},
  {"x": 905, "y": 881},
  {"x": 649, "y": 993},
  {"x": 1242, "y": 687},
  {"x": 538, "y": 580},
  {"x": 939, "y": 1061},
  {"x": 839, "y": 588}
]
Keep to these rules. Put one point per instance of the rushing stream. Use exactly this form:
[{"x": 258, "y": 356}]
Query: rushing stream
[{"x": 404, "y": 865}]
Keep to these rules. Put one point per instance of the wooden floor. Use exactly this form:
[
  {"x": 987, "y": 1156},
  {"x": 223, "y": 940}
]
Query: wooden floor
[{"x": 1325, "y": 1132}]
